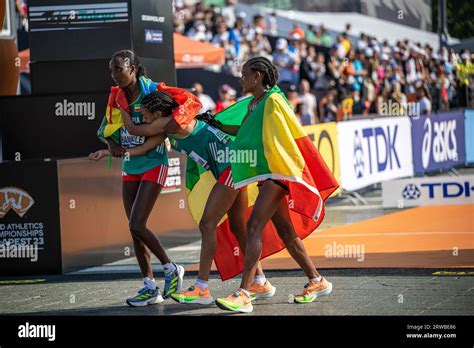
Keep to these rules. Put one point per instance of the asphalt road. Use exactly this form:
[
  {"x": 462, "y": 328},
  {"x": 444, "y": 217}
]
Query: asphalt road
[{"x": 355, "y": 292}]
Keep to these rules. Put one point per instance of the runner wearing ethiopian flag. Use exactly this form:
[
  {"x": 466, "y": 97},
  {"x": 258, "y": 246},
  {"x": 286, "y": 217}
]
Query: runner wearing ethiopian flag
[
  {"x": 294, "y": 182},
  {"x": 143, "y": 174},
  {"x": 203, "y": 144}
]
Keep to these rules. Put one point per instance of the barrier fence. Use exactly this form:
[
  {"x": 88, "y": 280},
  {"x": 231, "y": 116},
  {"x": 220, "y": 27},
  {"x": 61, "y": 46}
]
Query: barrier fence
[{"x": 372, "y": 150}]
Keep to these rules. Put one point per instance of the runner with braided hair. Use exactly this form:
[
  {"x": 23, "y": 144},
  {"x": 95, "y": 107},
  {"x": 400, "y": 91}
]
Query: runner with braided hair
[
  {"x": 201, "y": 142},
  {"x": 287, "y": 166}
]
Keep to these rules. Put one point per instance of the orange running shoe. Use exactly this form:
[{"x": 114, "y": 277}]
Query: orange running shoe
[
  {"x": 193, "y": 294},
  {"x": 258, "y": 291},
  {"x": 237, "y": 302},
  {"x": 313, "y": 290}
]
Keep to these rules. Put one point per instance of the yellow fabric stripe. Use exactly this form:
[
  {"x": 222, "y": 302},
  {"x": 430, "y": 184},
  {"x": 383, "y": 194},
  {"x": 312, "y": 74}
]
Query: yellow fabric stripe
[
  {"x": 198, "y": 196},
  {"x": 280, "y": 129},
  {"x": 117, "y": 121}
]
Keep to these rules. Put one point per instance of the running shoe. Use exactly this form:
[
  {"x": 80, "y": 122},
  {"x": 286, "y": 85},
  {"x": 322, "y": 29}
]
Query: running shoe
[
  {"x": 173, "y": 281},
  {"x": 237, "y": 302},
  {"x": 144, "y": 297},
  {"x": 313, "y": 290},
  {"x": 193, "y": 294},
  {"x": 258, "y": 291}
]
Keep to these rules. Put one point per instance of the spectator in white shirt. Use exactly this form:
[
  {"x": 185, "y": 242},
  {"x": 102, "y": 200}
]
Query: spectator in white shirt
[{"x": 207, "y": 102}]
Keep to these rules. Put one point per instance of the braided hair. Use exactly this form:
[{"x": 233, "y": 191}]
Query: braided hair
[
  {"x": 159, "y": 101},
  {"x": 130, "y": 58},
  {"x": 264, "y": 66}
]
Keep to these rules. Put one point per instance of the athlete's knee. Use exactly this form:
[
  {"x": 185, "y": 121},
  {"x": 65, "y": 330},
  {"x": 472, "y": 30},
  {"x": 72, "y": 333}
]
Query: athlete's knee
[
  {"x": 207, "y": 226},
  {"x": 254, "y": 228},
  {"x": 137, "y": 228}
]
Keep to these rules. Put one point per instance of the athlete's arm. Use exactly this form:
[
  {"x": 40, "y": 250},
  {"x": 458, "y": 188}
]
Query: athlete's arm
[
  {"x": 150, "y": 143},
  {"x": 115, "y": 149},
  {"x": 144, "y": 129},
  {"x": 232, "y": 130}
]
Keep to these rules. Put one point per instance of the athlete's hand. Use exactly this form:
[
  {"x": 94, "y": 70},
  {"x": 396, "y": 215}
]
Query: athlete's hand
[
  {"x": 125, "y": 114},
  {"x": 98, "y": 155},
  {"x": 116, "y": 150}
]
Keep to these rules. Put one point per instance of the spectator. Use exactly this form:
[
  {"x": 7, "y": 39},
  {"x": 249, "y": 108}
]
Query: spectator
[
  {"x": 327, "y": 107},
  {"x": 297, "y": 31},
  {"x": 207, "y": 102},
  {"x": 320, "y": 68},
  {"x": 424, "y": 102},
  {"x": 363, "y": 75},
  {"x": 399, "y": 105},
  {"x": 311, "y": 35},
  {"x": 228, "y": 12},
  {"x": 292, "y": 96},
  {"x": 324, "y": 38},
  {"x": 358, "y": 107},
  {"x": 308, "y": 100},
  {"x": 227, "y": 97},
  {"x": 303, "y": 117},
  {"x": 199, "y": 32},
  {"x": 221, "y": 38},
  {"x": 272, "y": 24},
  {"x": 284, "y": 61}
]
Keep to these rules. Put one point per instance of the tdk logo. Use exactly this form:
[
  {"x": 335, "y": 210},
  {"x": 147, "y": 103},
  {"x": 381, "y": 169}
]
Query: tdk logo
[
  {"x": 434, "y": 190},
  {"x": 380, "y": 144}
]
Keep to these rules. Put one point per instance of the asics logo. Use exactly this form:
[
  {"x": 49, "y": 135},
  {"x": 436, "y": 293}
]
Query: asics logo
[{"x": 14, "y": 198}]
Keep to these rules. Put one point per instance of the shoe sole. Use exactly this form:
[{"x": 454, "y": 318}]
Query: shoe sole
[
  {"x": 201, "y": 301},
  {"x": 264, "y": 295},
  {"x": 242, "y": 310},
  {"x": 320, "y": 294},
  {"x": 151, "y": 301}
]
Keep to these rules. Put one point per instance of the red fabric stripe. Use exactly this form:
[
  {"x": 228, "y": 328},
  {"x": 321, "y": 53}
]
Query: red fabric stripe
[{"x": 316, "y": 170}]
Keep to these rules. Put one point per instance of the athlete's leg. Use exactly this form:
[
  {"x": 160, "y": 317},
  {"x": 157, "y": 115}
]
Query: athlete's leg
[
  {"x": 267, "y": 203},
  {"x": 144, "y": 201},
  {"x": 238, "y": 221},
  {"x": 282, "y": 221},
  {"x": 129, "y": 192},
  {"x": 219, "y": 202}
]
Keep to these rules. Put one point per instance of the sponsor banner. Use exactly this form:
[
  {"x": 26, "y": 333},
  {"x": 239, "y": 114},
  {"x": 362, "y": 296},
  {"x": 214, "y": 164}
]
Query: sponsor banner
[
  {"x": 436, "y": 190},
  {"x": 324, "y": 137},
  {"x": 469, "y": 131},
  {"x": 438, "y": 141},
  {"x": 374, "y": 150},
  {"x": 29, "y": 218}
]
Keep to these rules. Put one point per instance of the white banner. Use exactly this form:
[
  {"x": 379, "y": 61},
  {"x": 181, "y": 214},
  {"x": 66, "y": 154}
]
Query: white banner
[
  {"x": 372, "y": 151},
  {"x": 435, "y": 190}
]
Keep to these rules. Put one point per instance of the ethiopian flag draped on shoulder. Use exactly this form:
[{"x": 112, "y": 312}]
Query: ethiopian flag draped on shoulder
[
  {"x": 283, "y": 152},
  {"x": 112, "y": 122}
]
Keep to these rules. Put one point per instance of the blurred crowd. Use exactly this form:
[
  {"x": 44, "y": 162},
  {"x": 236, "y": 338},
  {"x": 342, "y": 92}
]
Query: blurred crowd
[{"x": 330, "y": 78}]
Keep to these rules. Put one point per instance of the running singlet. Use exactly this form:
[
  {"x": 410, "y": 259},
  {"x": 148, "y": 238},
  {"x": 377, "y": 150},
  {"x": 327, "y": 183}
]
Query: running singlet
[
  {"x": 205, "y": 145},
  {"x": 142, "y": 163}
]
